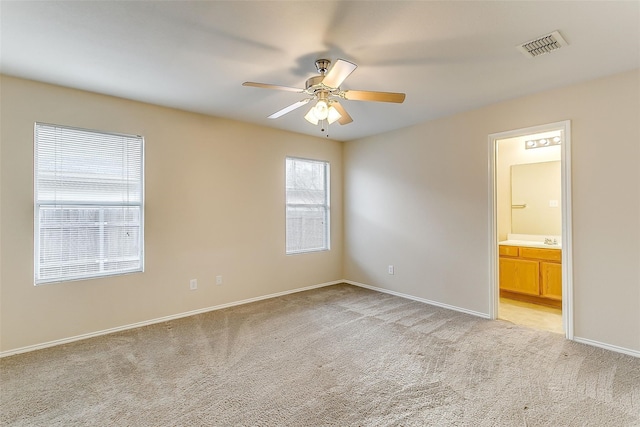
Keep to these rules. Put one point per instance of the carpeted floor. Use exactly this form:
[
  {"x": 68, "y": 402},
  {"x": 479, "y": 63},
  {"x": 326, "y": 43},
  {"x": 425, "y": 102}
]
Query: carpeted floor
[{"x": 335, "y": 356}]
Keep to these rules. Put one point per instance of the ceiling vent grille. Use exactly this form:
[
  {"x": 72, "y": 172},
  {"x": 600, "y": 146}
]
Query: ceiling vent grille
[{"x": 541, "y": 45}]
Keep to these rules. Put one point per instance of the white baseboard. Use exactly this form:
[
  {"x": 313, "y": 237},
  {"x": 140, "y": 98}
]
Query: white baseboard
[
  {"x": 611, "y": 347},
  {"x": 159, "y": 320},
  {"x": 26, "y": 349},
  {"x": 586, "y": 341},
  {"x": 423, "y": 300}
]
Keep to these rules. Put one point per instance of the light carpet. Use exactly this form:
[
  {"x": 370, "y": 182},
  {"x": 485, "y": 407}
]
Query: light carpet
[{"x": 335, "y": 356}]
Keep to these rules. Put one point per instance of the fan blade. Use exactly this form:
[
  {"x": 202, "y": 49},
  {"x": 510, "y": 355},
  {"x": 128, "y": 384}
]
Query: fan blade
[
  {"x": 267, "y": 86},
  {"x": 366, "y": 95},
  {"x": 288, "y": 109},
  {"x": 340, "y": 71},
  {"x": 345, "y": 118}
]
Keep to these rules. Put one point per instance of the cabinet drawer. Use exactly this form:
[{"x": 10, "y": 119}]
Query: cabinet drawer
[
  {"x": 509, "y": 250},
  {"x": 548, "y": 254}
]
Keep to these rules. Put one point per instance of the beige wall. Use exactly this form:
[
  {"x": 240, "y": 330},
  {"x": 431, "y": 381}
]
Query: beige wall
[
  {"x": 214, "y": 206},
  {"x": 418, "y": 198}
]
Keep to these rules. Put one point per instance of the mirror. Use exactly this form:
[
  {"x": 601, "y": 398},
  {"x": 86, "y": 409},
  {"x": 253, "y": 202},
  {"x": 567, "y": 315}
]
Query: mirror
[{"x": 536, "y": 198}]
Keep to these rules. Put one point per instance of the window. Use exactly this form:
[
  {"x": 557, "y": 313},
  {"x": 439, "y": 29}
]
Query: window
[
  {"x": 307, "y": 186},
  {"x": 88, "y": 203}
]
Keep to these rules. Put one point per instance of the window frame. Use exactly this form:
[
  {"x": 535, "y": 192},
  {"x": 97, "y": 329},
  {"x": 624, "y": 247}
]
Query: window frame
[
  {"x": 326, "y": 206},
  {"x": 82, "y": 204}
]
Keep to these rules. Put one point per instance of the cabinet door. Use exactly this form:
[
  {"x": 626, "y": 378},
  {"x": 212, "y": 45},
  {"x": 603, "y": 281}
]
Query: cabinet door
[
  {"x": 551, "y": 280},
  {"x": 517, "y": 275}
]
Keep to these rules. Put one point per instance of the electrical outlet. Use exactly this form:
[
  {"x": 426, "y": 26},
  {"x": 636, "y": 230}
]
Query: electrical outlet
[
  {"x": 193, "y": 284},
  {"x": 218, "y": 280},
  {"x": 391, "y": 269}
]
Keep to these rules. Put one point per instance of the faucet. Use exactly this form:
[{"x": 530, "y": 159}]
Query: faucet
[{"x": 550, "y": 241}]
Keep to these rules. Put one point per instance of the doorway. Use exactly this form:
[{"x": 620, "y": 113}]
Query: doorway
[{"x": 530, "y": 253}]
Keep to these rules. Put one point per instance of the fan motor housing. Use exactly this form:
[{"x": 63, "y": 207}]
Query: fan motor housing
[
  {"x": 322, "y": 65},
  {"x": 313, "y": 81}
]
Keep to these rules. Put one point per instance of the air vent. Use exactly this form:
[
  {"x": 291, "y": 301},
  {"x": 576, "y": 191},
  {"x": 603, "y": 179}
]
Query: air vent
[{"x": 541, "y": 45}]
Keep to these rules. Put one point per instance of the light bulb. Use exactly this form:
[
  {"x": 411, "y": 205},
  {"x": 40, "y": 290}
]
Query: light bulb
[
  {"x": 333, "y": 115},
  {"x": 544, "y": 141},
  {"x": 556, "y": 139},
  {"x": 321, "y": 110},
  {"x": 311, "y": 117},
  {"x": 530, "y": 143}
]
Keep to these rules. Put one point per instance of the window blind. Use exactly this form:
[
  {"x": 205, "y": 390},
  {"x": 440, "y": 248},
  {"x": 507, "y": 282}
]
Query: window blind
[
  {"x": 88, "y": 203},
  {"x": 307, "y": 200}
]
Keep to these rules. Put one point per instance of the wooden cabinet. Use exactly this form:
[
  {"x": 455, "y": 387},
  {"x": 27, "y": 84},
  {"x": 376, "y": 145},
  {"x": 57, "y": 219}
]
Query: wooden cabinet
[
  {"x": 509, "y": 250},
  {"x": 531, "y": 274},
  {"x": 519, "y": 275},
  {"x": 551, "y": 280}
]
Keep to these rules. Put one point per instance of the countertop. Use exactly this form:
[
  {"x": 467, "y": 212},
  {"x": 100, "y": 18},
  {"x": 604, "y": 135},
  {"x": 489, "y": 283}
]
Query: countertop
[{"x": 529, "y": 244}]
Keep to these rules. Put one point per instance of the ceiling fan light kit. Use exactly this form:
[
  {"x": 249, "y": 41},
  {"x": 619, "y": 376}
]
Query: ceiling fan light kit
[
  {"x": 322, "y": 112},
  {"x": 325, "y": 90}
]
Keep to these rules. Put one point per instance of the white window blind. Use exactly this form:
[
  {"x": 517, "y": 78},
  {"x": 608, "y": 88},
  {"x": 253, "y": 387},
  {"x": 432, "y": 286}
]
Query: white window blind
[
  {"x": 307, "y": 199},
  {"x": 88, "y": 203}
]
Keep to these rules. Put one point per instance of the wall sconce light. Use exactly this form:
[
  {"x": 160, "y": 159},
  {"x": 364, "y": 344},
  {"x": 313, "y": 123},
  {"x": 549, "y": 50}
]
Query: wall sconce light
[{"x": 542, "y": 142}]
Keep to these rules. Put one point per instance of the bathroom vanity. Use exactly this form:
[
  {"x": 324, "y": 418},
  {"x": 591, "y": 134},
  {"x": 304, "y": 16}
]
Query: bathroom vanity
[{"x": 531, "y": 271}]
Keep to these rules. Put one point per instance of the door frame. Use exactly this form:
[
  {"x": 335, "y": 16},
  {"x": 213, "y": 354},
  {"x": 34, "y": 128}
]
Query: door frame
[{"x": 567, "y": 254}]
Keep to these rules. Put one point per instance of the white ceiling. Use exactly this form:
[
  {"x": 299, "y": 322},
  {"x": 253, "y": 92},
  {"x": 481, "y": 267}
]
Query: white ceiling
[{"x": 447, "y": 56}]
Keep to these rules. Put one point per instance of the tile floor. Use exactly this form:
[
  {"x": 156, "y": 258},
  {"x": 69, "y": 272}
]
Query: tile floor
[{"x": 532, "y": 315}]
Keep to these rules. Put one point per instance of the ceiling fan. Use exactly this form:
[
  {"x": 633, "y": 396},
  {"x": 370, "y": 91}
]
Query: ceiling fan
[{"x": 325, "y": 91}]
